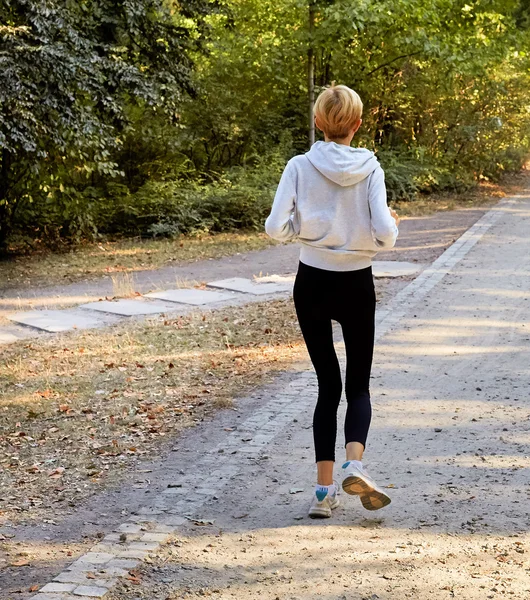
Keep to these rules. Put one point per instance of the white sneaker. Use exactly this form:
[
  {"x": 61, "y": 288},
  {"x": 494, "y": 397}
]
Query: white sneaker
[
  {"x": 321, "y": 509},
  {"x": 357, "y": 482}
]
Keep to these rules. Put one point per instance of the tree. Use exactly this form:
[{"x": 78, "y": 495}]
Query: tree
[{"x": 69, "y": 71}]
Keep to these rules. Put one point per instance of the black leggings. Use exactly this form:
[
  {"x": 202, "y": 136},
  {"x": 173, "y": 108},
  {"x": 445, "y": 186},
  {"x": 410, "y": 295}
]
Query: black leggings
[{"x": 347, "y": 297}]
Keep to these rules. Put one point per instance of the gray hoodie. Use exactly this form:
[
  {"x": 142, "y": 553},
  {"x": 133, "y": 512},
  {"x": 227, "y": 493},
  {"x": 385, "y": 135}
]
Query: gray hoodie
[{"x": 333, "y": 198}]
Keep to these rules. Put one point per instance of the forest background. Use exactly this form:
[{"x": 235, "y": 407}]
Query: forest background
[{"x": 161, "y": 118}]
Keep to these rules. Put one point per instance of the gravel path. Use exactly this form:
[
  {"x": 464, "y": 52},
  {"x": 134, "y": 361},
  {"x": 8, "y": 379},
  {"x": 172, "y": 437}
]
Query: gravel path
[{"x": 449, "y": 438}]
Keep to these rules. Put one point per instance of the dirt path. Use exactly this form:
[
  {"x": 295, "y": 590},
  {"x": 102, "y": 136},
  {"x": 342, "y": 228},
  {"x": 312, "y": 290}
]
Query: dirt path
[
  {"x": 422, "y": 239},
  {"x": 449, "y": 437}
]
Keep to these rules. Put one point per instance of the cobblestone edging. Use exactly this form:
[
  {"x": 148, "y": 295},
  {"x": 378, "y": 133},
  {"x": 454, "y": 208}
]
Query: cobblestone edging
[
  {"x": 97, "y": 571},
  {"x": 143, "y": 533}
]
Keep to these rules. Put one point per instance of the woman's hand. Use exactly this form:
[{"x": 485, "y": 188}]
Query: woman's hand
[{"x": 394, "y": 215}]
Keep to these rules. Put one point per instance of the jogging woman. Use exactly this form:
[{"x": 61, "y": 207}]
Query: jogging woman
[{"x": 333, "y": 198}]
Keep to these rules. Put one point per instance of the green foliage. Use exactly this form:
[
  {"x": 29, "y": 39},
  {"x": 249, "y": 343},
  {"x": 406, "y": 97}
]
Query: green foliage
[
  {"x": 445, "y": 84},
  {"x": 69, "y": 70},
  {"x": 240, "y": 199},
  {"x": 154, "y": 117},
  {"x": 409, "y": 173}
]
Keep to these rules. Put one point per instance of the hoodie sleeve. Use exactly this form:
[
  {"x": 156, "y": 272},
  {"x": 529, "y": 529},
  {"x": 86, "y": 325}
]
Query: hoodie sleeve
[
  {"x": 384, "y": 228},
  {"x": 279, "y": 224}
]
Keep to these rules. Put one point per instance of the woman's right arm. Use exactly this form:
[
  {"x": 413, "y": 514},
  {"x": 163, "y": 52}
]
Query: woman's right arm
[{"x": 279, "y": 224}]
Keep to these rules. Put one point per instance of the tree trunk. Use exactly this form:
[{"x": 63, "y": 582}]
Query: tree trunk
[
  {"x": 5, "y": 209},
  {"x": 311, "y": 73}
]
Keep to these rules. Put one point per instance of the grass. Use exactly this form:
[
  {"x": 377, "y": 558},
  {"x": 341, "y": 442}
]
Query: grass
[
  {"x": 122, "y": 285},
  {"x": 78, "y": 410}
]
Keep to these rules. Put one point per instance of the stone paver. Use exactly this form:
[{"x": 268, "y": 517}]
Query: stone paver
[
  {"x": 52, "y": 596},
  {"x": 248, "y": 286},
  {"x": 58, "y": 587},
  {"x": 155, "y": 537},
  {"x": 95, "y": 558},
  {"x": 129, "y": 528},
  {"x": 77, "y": 578},
  {"x": 127, "y": 308},
  {"x": 190, "y": 296},
  {"x": 91, "y": 591},
  {"x": 120, "y": 563},
  {"x": 54, "y": 321}
]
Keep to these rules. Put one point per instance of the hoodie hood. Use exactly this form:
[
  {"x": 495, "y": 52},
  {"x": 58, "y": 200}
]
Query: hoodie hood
[{"x": 342, "y": 164}]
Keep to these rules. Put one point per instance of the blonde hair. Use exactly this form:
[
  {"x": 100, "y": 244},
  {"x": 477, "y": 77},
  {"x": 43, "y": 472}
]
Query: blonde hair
[{"x": 338, "y": 109}]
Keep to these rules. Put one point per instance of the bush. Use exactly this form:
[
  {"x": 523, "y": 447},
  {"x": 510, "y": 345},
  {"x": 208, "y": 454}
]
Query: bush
[
  {"x": 238, "y": 199},
  {"x": 412, "y": 171},
  {"x": 173, "y": 208},
  {"x": 507, "y": 160}
]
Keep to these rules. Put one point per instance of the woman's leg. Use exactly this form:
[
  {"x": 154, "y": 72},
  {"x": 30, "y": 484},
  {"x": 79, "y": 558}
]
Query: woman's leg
[
  {"x": 318, "y": 336},
  {"x": 354, "y": 451},
  {"x": 358, "y": 333},
  {"x": 359, "y": 342},
  {"x": 316, "y": 328}
]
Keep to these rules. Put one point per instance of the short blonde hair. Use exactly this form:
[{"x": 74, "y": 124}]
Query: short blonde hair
[{"x": 338, "y": 109}]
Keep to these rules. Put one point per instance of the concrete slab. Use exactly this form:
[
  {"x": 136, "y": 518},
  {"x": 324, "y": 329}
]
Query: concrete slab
[
  {"x": 390, "y": 268},
  {"x": 54, "y": 321},
  {"x": 287, "y": 279},
  {"x": 190, "y": 296},
  {"x": 127, "y": 308},
  {"x": 249, "y": 286}
]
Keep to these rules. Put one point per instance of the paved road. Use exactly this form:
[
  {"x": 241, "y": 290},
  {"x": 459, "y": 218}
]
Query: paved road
[
  {"x": 449, "y": 438},
  {"x": 422, "y": 240}
]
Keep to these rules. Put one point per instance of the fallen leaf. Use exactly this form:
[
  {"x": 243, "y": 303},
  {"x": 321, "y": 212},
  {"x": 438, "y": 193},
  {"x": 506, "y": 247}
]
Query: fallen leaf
[
  {"x": 21, "y": 562},
  {"x": 56, "y": 473}
]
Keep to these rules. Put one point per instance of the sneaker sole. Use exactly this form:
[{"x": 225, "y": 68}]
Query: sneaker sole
[
  {"x": 319, "y": 513},
  {"x": 371, "y": 498}
]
